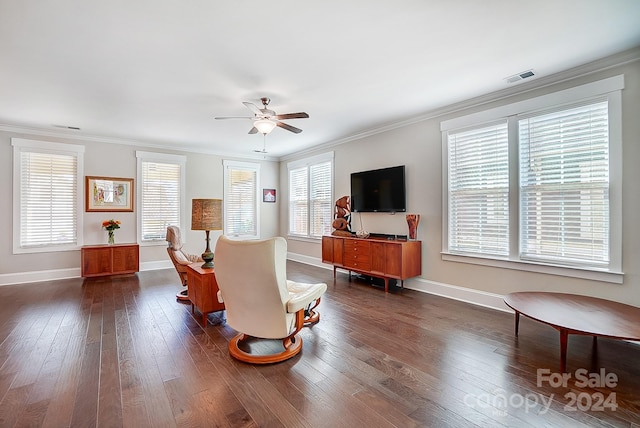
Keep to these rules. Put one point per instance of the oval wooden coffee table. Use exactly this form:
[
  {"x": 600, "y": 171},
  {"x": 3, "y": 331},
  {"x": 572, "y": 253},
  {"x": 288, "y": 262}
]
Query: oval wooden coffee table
[{"x": 575, "y": 314}]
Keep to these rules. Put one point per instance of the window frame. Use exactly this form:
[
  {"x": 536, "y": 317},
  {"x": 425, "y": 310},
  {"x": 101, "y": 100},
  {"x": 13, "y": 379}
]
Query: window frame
[
  {"x": 228, "y": 166},
  {"x": 143, "y": 156},
  {"x": 46, "y": 147},
  {"x": 606, "y": 89},
  {"x": 308, "y": 163}
]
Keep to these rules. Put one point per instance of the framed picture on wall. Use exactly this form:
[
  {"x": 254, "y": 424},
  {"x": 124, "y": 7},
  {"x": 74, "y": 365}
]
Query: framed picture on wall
[
  {"x": 268, "y": 195},
  {"x": 108, "y": 194}
]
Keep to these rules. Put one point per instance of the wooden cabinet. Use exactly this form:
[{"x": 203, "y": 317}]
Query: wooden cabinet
[
  {"x": 203, "y": 290},
  {"x": 379, "y": 257},
  {"x": 117, "y": 259}
]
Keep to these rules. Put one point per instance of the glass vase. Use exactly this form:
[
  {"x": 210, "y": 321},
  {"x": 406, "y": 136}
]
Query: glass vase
[{"x": 112, "y": 239}]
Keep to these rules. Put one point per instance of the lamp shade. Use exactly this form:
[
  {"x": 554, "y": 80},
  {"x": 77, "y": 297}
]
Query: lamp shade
[
  {"x": 206, "y": 214},
  {"x": 264, "y": 126}
]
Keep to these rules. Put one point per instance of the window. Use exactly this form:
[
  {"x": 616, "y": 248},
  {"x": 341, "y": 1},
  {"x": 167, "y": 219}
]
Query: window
[
  {"x": 161, "y": 195},
  {"x": 479, "y": 190},
  {"x": 311, "y": 196},
  {"x": 47, "y": 196},
  {"x": 241, "y": 187},
  {"x": 564, "y": 185},
  {"x": 536, "y": 183}
]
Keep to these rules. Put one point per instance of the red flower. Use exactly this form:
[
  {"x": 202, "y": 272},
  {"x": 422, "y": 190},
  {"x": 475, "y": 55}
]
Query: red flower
[{"x": 111, "y": 224}]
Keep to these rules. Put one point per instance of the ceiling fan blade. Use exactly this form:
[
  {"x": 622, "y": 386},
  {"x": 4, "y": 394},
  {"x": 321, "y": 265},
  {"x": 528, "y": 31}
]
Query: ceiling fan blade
[
  {"x": 253, "y": 130},
  {"x": 301, "y": 115},
  {"x": 288, "y": 127},
  {"x": 252, "y": 107},
  {"x": 233, "y": 117}
]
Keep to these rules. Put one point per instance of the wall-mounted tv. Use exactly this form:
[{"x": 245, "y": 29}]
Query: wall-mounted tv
[{"x": 379, "y": 190}]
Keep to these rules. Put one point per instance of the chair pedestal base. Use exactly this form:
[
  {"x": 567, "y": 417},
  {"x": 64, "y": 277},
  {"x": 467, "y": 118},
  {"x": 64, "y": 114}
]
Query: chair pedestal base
[
  {"x": 311, "y": 316},
  {"x": 291, "y": 346},
  {"x": 183, "y": 295}
]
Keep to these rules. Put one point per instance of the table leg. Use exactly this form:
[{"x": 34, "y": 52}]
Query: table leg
[
  {"x": 564, "y": 335},
  {"x": 517, "y": 322},
  {"x": 386, "y": 285},
  {"x": 204, "y": 319},
  {"x": 334, "y": 274}
]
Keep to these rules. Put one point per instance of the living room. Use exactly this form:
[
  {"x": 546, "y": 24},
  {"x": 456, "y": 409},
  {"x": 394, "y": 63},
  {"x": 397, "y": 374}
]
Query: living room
[{"x": 415, "y": 142}]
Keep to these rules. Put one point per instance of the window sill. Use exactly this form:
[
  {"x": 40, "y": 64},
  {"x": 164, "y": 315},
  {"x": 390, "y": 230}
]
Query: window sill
[
  {"x": 47, "y": 249},
  {"x": 153, "y": 243},
  {"x": 572, "y": 272},
  {"x": 304, "y": 239}
]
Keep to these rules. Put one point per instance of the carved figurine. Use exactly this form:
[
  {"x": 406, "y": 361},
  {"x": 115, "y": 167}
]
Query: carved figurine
[{"x": 342, "y": 217}]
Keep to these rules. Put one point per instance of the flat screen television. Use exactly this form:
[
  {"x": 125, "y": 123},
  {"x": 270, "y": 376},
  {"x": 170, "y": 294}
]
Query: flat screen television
[{"x": 379, "y": 190}]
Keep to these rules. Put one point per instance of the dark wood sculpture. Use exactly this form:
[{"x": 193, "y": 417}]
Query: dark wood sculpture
[{"x": 342, "y": 217}]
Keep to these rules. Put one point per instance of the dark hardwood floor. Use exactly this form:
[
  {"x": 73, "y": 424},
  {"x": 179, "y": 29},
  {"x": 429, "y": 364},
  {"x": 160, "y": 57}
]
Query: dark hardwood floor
[{"x": 122, "y": 352}]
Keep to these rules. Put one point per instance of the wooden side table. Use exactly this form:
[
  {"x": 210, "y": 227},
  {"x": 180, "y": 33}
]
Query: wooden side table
[{"x": 203, "y": 290}]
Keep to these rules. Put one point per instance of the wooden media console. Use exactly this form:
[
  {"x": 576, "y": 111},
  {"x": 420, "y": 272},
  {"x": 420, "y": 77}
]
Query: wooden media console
[{"x": 380, "y": 257}]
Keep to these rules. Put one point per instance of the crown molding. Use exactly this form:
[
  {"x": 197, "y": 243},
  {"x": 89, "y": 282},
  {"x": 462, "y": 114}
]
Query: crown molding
[
  {"x": 616, "y": 60},
  {"x": 78, "y": 136}
]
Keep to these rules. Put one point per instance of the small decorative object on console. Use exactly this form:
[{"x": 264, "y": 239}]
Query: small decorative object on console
[
  {"x": 362, "y": 234},
  {"x": 412, "y": 222},
  {"x": 110, "y": 226},
  {"x": 342, "y": 217}
]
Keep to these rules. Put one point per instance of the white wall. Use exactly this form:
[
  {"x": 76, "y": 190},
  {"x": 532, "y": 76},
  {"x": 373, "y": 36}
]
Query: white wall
[
  {"x": 204, "y": 179},
  {"x": 418, "y": 146}
]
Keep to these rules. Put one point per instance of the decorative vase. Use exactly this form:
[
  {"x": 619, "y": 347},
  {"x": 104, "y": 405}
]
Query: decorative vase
[
  {"x": 412, "y": 222},
  {"x": 112, "y": 239}
]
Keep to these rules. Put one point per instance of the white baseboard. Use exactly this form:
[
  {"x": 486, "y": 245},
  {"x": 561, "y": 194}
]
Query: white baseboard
[
  {"x": 468, "y": 295},
  {"x": 53, "y": 274},
  {"x": 156, "y": 265},
  {"x": 38, "y": 276},
  {"x": 308, "y": 260}
]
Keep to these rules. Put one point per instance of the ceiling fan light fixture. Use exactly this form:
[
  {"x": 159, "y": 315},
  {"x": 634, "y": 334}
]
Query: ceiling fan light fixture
[{"x": 264, "y": 126}]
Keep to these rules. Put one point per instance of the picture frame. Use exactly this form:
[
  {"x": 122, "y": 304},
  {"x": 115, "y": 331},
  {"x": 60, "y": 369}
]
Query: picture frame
[
  {"x": 108, "y": 194},
  {"x": 269, "y": 195}
]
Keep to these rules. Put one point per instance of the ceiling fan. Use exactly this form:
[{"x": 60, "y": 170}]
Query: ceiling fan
[{"x": 265, "y": 120}]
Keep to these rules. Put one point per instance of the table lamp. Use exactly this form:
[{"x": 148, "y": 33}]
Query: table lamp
[{"x": 206, "y": 214}]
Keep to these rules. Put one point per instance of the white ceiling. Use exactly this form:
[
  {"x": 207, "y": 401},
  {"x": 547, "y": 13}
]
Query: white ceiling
[{"x": 156, "y": 72}]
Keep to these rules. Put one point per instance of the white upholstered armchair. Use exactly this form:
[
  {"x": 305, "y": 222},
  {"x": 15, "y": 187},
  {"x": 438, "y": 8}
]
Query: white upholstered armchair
[{"x": 260, "y": 302}]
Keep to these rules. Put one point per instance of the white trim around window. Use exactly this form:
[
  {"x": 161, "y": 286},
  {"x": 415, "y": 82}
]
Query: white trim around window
[
  {"x": 56, "y": 194},
  {"x": 148, "y": 195},
  {"x": 311, "y": 203},
  {"x": 608, "y": 90},
  {"x": 241, "y": 199}
]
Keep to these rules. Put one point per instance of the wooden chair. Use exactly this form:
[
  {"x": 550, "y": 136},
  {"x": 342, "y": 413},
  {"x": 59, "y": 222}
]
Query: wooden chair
[
  {"x": 261, "y": 304},
  {"x": 180, "y": 259}
]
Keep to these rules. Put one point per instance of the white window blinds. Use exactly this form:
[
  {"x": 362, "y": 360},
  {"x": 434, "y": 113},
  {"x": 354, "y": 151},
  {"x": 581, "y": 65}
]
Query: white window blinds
[
  {"x": 564, "y": 185},
  {"x": 48, "y": 195},
  {"x": 321, "y": 205},
  {"x": 479, "y": 190},
  {"x": 160, "y": 198},
  {"x": 241, "y": 199},
  {"x": 298, "y": 201},
  {"x": 311, "y": 196}
]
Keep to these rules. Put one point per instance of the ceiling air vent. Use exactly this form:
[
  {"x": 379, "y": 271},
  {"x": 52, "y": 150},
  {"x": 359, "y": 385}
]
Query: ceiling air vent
[
  {"x": 520, "y": 76},
  {"x": 75, "y": 128}
]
